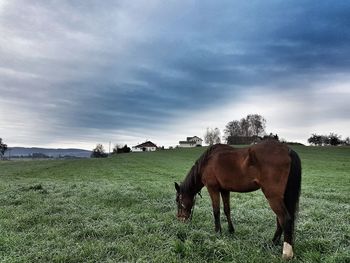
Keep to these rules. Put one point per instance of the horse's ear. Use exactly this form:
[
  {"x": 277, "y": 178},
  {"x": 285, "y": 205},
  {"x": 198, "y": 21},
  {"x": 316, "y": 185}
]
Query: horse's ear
[{"x": 177, "y": 187}]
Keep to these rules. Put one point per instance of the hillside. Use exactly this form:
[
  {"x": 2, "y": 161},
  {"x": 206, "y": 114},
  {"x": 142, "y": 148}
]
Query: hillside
[{"x": 23, "y": 151}]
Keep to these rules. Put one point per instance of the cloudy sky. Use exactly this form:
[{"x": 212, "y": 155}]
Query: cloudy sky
[{"x": 77, "y": 73}]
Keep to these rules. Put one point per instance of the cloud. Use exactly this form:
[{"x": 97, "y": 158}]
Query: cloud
[
  {"x": 292, "y": 114},
  {"x": 126, "y": 70}
]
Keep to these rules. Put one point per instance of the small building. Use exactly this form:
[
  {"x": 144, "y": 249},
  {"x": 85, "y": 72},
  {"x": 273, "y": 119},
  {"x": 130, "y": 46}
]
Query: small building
[
  {"x": 145, "y": 147},
  {"x": 191, "y": 142}
]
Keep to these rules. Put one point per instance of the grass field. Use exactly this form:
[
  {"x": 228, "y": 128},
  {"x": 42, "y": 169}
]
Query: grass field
[{"x": 122, "y": 209}]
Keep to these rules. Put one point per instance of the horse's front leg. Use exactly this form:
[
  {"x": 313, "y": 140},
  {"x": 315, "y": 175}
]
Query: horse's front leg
[
  {"x": 225, "y": 195},
  {"x": 215, "y": 199}
]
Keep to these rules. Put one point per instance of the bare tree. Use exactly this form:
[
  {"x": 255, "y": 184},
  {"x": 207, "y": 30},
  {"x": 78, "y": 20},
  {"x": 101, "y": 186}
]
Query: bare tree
[
  {"x": 212, "y": 136},
  {"x": 233, "y": 128},
  {"x": 245, "y": 127},
  {"x": 257, "y": 124}
]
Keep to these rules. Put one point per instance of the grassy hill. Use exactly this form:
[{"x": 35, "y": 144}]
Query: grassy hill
[{"x": 123, "y": 209}]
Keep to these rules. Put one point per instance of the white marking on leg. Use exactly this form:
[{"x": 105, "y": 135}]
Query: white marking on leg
[{"x": 287, "y": 251}]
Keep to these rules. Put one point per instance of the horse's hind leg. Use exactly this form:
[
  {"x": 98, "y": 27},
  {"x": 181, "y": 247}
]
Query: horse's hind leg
[
  {"x": 277, "y": 236},
  {"x": 285, "y": 221},
  {"x": 288, "y": 237},
  {"x": 215, "y": 199},
  {"x": 226, "y": 200}
]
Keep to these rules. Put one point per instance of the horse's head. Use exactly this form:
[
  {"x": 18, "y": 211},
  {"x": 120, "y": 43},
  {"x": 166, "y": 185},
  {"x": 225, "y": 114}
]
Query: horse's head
[{"x": 185, "y": 202}]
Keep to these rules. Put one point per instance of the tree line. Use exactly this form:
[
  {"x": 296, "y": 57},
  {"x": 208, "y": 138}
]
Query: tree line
[
  {"x": 252, "y": 129},
  {"x": 99, "y": 151},
  {"x": 332, "y": 139}
]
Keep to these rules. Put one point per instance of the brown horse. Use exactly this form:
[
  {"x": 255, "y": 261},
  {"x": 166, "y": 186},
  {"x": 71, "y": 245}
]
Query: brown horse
[{"x": 269, "y": 165}]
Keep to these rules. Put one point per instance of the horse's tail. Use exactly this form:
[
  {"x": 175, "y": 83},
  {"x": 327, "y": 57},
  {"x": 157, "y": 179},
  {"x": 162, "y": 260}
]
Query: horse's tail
[{"x": 292, "y": 192}]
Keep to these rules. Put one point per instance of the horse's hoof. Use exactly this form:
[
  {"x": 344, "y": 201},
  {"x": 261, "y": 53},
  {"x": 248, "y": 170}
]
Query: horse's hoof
[
  {"x": 218, "y": 230},
  {"x": 276, "y": 241},
  {"x": 287, "y": 251},
  {"x": 286, "y": 257}
]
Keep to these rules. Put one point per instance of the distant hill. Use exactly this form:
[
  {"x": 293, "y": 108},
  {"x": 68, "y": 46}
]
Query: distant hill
[{"x": 23, "y": 151}]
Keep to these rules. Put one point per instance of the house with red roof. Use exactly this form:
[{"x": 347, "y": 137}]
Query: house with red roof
[{"x": 145, "y": 147}]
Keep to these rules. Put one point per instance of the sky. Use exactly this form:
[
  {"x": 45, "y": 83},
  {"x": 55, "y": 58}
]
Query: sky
[{"x": 77, "y": 73}]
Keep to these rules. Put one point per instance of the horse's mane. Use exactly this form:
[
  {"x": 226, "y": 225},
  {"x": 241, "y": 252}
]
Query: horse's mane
[{"x": 193, "y": 178}]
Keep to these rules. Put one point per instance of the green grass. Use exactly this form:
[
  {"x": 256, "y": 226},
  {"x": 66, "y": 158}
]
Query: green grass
[{"x": 122, "y": 209}]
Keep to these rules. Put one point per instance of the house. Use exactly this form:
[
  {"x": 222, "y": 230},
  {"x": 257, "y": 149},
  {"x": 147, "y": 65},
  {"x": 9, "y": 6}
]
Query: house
[
  {"x": 191, "y": 142},
  {"x": 145, "y": 147}
]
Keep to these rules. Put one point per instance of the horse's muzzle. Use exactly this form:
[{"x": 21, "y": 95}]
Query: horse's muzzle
[{"x": 183, "y": 219}]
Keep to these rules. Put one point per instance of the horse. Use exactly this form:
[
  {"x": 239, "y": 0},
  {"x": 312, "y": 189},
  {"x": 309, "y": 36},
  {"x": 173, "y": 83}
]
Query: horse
[{"x": 270, "y": 166}]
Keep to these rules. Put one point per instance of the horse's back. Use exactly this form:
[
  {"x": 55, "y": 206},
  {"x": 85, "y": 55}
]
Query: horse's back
[
  {"x": 226, "y": 169},
  {"x": 247, "y": 169},
  {"x": 270, "y": 153}
]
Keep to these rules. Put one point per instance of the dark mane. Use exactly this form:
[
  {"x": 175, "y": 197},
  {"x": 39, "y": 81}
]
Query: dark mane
[{"x": 193, "y": 183}]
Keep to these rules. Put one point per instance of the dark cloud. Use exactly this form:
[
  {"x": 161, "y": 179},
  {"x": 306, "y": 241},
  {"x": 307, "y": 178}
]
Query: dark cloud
[{"x": 117, "y": 66}]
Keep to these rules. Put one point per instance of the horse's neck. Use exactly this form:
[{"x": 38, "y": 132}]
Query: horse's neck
[
  {"x": 198, "y": 187},
  {"x": 194, "y": 183}
]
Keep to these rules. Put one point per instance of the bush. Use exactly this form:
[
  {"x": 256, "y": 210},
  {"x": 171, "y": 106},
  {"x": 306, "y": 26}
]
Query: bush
[
  {"x": 117, "y": 150},
  {"x": 3, "y": 148},
  {"x": 98, "y": 152}
]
